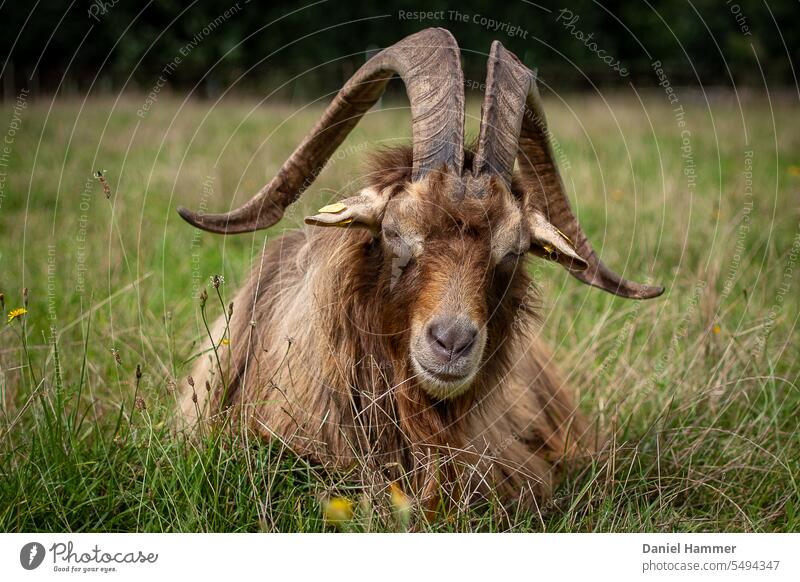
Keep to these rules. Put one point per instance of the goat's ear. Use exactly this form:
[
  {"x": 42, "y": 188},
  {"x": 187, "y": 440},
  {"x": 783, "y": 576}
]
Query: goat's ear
[
  {"x": 549, "y": 242},
  {"x": 364, "y": 210}
]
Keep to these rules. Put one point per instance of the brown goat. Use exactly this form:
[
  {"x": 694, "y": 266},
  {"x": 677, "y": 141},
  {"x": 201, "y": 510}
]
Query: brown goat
[{"x": 405, "y": 339}]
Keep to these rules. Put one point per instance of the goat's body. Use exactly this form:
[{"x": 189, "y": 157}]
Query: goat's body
[
  {"x": 312, "y": 362},
  {"x": 410, "y": 347}
]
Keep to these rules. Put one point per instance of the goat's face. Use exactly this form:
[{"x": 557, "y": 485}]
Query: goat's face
[
  {"x": 450, "y": 263},
  {"x": 451, "y": 260}
]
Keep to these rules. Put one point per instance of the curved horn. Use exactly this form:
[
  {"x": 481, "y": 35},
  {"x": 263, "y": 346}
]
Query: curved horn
[
  {"x": 512, "y": 103},
  {"x": 429, "y": 63},
  {"x": 501, "y": 117}
]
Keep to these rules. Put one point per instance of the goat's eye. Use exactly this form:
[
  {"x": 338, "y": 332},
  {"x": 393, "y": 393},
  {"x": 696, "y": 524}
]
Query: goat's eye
[
  {"x": 512, "y": 258},
  {"x": 395, "y": 239}
]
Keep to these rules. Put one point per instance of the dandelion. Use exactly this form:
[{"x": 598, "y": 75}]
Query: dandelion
[
  {"x": 400, "y": 501},
  {"x": 15, "y": 313},
  {"x": 224, "y": 342},
  {"x": 716, "y": 329},
  {"x": 338, "y": 510}
]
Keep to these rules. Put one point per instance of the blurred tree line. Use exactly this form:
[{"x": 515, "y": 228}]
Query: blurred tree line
[{"x": 305, "y": 49}]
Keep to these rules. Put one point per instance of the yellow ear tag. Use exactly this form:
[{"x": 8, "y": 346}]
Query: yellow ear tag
[
  {"x": 344, "y": 222},
  {"x": 334, "y": 208},
  {"x": 565, "y": 237}
]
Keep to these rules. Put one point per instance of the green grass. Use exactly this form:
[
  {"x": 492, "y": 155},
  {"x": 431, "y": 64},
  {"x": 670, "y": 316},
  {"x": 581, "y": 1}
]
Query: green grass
[{"x": 699, "y": 387}]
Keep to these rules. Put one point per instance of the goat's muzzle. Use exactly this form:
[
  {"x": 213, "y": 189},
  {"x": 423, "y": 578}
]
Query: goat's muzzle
[{"x": 446, "y": 354}]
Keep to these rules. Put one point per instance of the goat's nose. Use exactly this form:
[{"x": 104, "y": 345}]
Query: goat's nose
[{"x": 451, "y": 338}]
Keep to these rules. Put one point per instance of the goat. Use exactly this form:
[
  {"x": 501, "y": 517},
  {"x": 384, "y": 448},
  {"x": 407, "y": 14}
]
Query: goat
[{"x": 405, "y": 333}]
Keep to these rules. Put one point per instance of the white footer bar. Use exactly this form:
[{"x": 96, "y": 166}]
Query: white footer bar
[{"x": 401, "y": 557}]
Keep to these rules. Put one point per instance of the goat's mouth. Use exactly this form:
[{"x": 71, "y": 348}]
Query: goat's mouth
[
  {"x": 445, "y": 377},
  {"x": 441, "y": 382}
]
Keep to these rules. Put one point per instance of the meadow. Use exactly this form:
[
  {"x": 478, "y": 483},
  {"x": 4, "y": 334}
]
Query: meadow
[{"x": 698, "y": 388}]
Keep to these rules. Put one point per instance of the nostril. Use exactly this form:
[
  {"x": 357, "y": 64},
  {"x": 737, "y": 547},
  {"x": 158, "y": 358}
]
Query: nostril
[
  {"x": 465, "y": 341},
  {"x": 437, "y": 337}
]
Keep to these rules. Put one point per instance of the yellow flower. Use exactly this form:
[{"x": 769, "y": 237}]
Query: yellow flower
[
  {"x": 338, "y": 510},
  {"x": 224, "y": 342},
  {"x": 400, "y": 500},
  {"x": 716, "y": 329},
  {"x": 15, "y": 313},
  {"x": 794, "y": 170}
]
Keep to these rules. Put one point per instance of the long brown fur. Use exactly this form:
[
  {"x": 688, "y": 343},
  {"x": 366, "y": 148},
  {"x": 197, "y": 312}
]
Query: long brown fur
[{"x": 319, "y": 358}]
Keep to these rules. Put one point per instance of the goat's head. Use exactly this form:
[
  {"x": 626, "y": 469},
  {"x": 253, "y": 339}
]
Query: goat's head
[
  {"x": 452, "y": 236},
  {"x": 447, "y": 262}
]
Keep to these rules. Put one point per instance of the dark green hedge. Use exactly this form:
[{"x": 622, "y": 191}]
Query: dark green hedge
[{"x": 107, "y": 45}]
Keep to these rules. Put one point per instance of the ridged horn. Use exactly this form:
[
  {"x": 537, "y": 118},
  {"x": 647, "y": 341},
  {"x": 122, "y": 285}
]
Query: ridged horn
[
  {"x": 429, "y": 62},
  {"x": 513, "y": 125}
]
